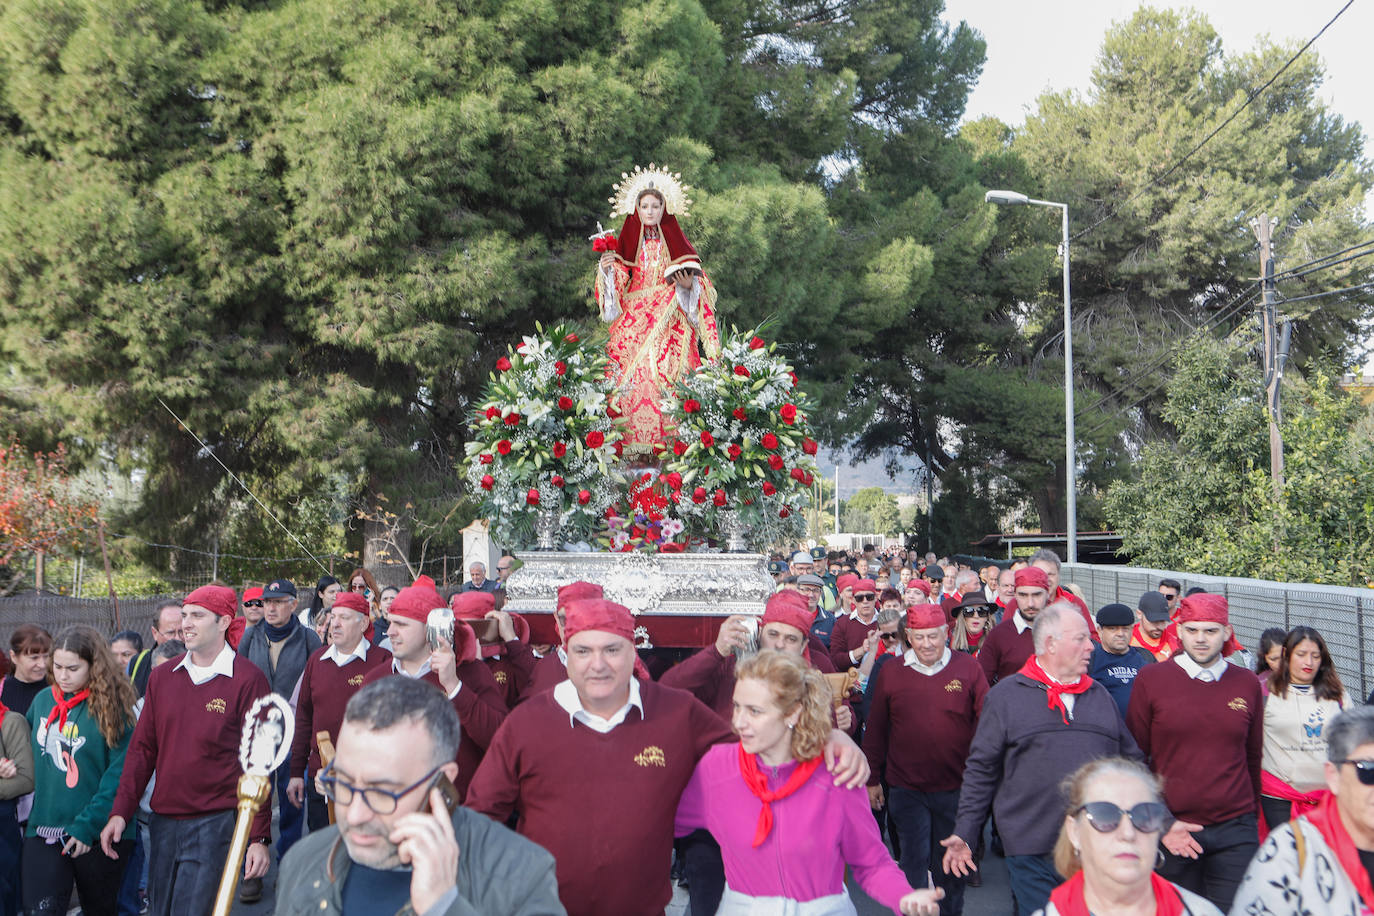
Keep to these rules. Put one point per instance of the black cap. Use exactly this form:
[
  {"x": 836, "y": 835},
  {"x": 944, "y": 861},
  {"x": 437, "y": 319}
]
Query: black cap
[
  {"x": 1155, "y": 607},
  {"x": 933, "y": 571},
  {"x": 279, "y": 588},
  {"x": 818, "y": 553},
  {"x": 1115, "y": 615},
  {"x": 776, "y": 566}
]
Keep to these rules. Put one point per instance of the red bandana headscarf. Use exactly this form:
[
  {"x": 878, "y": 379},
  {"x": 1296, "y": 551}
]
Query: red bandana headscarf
[
  {"x": 1032, "y": 670},
  {"x": 1068, "y": 897},
  {"x": 757, "y": 782}
]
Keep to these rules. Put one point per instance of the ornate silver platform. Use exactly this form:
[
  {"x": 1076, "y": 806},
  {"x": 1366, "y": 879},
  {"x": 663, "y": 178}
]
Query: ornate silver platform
[{"x": 672, "y": 584}]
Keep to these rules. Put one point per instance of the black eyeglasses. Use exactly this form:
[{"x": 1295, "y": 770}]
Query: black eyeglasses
[
  {"x": 381, "y": 801},
  {"x": 869, "y": 597},
  {"x": 256, "y": 602},
  {"x": 1146, "y": 817},
  {"x": 1364, "y": 769}
]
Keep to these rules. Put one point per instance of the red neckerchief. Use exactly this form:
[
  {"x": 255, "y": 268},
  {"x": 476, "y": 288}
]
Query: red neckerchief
[
  {"x": 1145, "y": 643},
  {"x": 1032, "y": 670},
  {"x": 758, "y": 784},
  {"x": 1068, "y": 897},
  {"x": 1326, "y": 817},
  {"x": 975, "y": 639},
  {"x": 61, "y": 707}
]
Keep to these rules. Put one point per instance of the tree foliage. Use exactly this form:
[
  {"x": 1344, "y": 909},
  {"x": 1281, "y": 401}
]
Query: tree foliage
[
  {"x": 870, "y": 511},
  {"x": 42, "y": 509}
]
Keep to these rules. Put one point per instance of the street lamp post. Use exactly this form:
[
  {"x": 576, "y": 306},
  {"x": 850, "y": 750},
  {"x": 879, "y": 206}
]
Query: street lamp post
[{"x": 1012, "y": 198}]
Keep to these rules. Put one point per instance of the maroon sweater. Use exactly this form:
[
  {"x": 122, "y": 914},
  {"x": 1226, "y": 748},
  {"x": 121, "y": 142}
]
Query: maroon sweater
[
  {"x": 602, "y": 804},
  {"x": 480, "y": 713},
  {"x": 512, "y": 671},
  {"x": 190, "y": 735},
  {"x": 1004, "y": 650},
  {"x": 848, "y": 634},
  {"x": 920, "y": 726},
  {"x": 548, "y": 673},
  {"x": 1204, "y": 739},
  {"x": 325, "y": 691}
]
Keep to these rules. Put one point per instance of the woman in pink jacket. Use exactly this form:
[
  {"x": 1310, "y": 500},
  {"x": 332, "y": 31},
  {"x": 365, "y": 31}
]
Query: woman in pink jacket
[{"x": 785, "y": 830}]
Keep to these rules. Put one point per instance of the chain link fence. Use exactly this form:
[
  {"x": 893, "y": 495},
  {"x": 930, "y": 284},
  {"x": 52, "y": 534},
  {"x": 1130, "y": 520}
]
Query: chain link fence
[
  {"x": 53, "y": 612},
  {"x": 1337, "y": 612}
]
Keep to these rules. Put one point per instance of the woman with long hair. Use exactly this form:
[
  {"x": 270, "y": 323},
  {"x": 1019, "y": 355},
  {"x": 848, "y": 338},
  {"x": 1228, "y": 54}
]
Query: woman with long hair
[
  {"x": 786, "y": 831},
  {"x": 326, "y": 590},
  {"x": 970, "y": 626},
  {"x": 363, "y": 582},
  {"x": 81, "y": 731},
  {"x": 1305, "y": 693},
  {"x": 1108, "y": 845},
  {"x": 1269, "y": 654}
]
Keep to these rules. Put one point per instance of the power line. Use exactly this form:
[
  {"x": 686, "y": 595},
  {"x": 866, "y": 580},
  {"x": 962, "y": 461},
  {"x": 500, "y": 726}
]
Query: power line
[
  {"x": 1285, "y": 274},
  {"x": 1218, "y": 129},
  {"x": 1330, "y": 292}
]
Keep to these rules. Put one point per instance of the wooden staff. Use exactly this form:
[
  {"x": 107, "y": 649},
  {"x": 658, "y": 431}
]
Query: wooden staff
[{"x": 326, "y": 746}]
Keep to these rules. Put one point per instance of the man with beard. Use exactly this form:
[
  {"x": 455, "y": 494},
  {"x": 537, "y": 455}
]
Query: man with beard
[{"x": 1009, "y": 644}]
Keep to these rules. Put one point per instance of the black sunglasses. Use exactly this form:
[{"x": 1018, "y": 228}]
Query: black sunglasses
[
  {"x": 888, "y": 637},
  {"x": 868, "y": 597},
  {"x": 1146, "y": 817},
  {"x": 1364, "y": 769},
  {"x": 1169, "y": 597},
  {"x": 977, "y": 612},
  {"x": 256, "y": 602}
]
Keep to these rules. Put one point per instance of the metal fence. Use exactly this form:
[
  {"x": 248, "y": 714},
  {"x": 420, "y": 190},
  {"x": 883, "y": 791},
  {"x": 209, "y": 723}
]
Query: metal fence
[
  {"x": 53, "y": 612},
  {"x": 1335, "y": 611}
]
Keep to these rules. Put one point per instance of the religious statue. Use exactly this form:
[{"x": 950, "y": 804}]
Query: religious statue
[{"x": 660, "y": 304}]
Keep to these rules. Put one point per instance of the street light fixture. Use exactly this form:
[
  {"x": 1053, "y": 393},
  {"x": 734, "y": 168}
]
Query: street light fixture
[{"x": 1013, "y": 199}]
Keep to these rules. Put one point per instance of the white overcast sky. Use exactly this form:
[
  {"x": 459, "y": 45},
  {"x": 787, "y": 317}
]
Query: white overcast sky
[{"x": 1034, "y": 46}]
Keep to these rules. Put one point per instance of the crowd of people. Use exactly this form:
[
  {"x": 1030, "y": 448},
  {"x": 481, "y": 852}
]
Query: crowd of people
[{"x": 896, "y": 717}]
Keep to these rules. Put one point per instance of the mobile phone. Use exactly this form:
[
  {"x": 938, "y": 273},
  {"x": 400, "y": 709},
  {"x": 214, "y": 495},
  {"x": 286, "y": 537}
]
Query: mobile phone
[{"x": 447, "y": 789}]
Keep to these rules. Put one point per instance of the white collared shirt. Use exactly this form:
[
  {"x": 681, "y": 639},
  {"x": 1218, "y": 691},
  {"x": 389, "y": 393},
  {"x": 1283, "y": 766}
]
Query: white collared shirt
[
  {"x": 1195, "y": 671},
  {"x": 854, "y": 615},
  {"x": 565, "y": 694},
  {"x": 223, "y": 664},
  {"x": 338, "y": 658},
  {"x": 1021, "y": 623},
  {"x": 911, "y": 661},
  {"x": 562, "y": 655},
  {"x": 1066, "y": 698}
]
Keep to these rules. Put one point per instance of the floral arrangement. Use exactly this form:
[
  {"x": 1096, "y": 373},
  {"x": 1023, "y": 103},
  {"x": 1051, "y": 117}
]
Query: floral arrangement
[
  {"x": 648, "y": 522},
  {"x": 741, "y": 446},
  {"x": 543, "y": 438}
]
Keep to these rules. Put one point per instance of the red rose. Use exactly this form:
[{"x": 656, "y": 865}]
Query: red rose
[
  {"x": 596, "y": 439},
  {"x": 719, "y": 498},
  {"x": 798, "y": 475},
  {"x": 559, "y": 450},
  {"x": 502, "y": 364},
  {"x": 810, "y": 478},
  {"x": 740, "y": 415},
  {"x": 512, "y": 419},
  {"x": 707, "y": 439},
  {"x": 556, "y": 481},
  {"x": 619, "y": 448},
  {"x": 487, "y": 458},
  {"x": 741, "y": 371},
  {"x": 673, "y": 480},
  {"x": 493, "y": 412},
  {"x": 809, "y": 445},
  {"x": 756, "y": 343},
  {"x": 679, "y": 447},
  {"x": 775, "y": 462},
  {"x": 584, "y": 497},
  {"x": 487, "y": 481},
  {"x": 564, "y": 402},
  {"x": 734, "y": 451},
  {"x": 503, "y": 446},
  {"x": 793, "y": 377},
  {"x": 571, "y": 338},
  {"x": 699, "y": 495},
  {"x": 532, "y": 497},
  {"x": 784, "y": 512},
  {"x": 690, "y": 406},
  {"x": 560, "y": 368},
  {"x": 788, "y": 412},
  {"x": 769, "y": 441},
  {"x": 769, "y": 489}
]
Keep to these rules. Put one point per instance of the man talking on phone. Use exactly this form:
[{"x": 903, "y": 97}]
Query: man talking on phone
[{"x": 400, "y": 838}]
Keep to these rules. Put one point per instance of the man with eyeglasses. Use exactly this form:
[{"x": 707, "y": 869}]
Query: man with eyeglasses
[
  {"x": 503, "y": 570},
  {"x": 1172, "y": 590},
  {"x": 855, "y": 633},
  {"x": 1200, "y": 721},
  {"x": 1323, "y": 860},
  {"x": 919, "y": 728},
  {"x": 1010, "y": 643},
  {"x": 402, "y": 849},
  {"x": 166, "y": 625}
]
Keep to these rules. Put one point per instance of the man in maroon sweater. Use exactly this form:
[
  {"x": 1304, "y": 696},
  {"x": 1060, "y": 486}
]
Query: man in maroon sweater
[
  {"x": 1200, "y": 721},
  {"x": 456, "y": 670},
  {"x": 1009, "y": 644},
  {"x": 503, "y": 651},
  {"x": 552, "y": 669},
  {"x": 189, "y": 732},
  {"x": 332, "y": 675},
  {"x": 855, "y": 632},
  {"x": 595, "y": 768},
  {"x": 920, "y": 725}
]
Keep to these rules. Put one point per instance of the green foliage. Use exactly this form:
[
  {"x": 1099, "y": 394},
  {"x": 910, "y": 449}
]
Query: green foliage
[
  {"x": 872, "y": 510},
  {"x": 1204, "y": 502}
]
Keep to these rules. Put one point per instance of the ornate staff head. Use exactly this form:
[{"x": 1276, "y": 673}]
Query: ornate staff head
[{"x": 267, "y": 732}]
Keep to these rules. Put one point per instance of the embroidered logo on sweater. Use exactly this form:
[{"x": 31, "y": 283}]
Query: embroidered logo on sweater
[
  {"x": 217, "y": 705},
  {"x": 500, "y": 677},
  {"x": 954, "y": 686},
  {"x": 355, "y": 681},
  {"x": 651, "y": 756},
  {"x": 1238, "y": 704}
]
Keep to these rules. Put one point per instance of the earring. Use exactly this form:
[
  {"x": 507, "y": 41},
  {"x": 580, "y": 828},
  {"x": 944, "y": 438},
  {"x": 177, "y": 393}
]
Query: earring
[
  {"x": 791, "y": 725},
  {"x": 1159, "y": 858},
  {"x": 1076, "y": 852}
]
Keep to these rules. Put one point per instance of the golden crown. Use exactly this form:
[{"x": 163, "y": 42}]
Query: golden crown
[{"x": 632, "y": 184}]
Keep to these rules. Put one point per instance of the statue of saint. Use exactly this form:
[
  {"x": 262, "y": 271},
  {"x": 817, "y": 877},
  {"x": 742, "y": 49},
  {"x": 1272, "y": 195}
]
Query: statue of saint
[{"x": 658, "y": 300}]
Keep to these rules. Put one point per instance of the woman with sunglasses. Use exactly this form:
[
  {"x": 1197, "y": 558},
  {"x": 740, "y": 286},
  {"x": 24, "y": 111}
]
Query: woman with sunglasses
[
  {"x": 1305, "y": 693},
  {"x": 1108, "y": 847},
  {"x": 971, "y": 624}
]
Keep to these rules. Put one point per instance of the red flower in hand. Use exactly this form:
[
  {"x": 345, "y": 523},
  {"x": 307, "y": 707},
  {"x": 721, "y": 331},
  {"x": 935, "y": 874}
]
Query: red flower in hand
[
  {"x": 487, "y": 458},
  {"x": 559, "y": 450},
  {"x": 699, "y": 495},
  {"x": 809, "y": 445},
  {"x": 604, "y": 243},
  {"x": 741, "y": 372},
  {"x": 503, "y": 446},
  {"x": 512, "y": 419},
  {"x": 493, "y": 412},
  {"x": 775, "y": 462},
  {"x": 769, "y": 441},
  {"x": 565, "y": 402},
  {"x": 788, "y": 412},
  {"x": 739, "y": 414},
  {"x": 769, "y": 489},
  {"x": 707, "y": 439},
  {"x": 560, "y": 368},
  {"x": 756, "y": 343},
  {"x": 596, "y": 439},
  {"x": 679, "y": 448},
  {"x": 532, "y": 497},
  {"x": 691, "y": 406},
  {"x": 502, "y": 364},
  {"x": 487, "y": 481},
  {"x": 557, "y": 481},
  {"x": 673, "y": 480},
  {"x": 798, "y": 475},
  {"x": 719, "y": 498},
  {"x": 734, "y": 451},
  {"x": 584, "y": 497}
]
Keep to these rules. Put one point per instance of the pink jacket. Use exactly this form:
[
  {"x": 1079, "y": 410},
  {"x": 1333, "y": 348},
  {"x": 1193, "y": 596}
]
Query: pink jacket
[{"x": 817, "y": 830}]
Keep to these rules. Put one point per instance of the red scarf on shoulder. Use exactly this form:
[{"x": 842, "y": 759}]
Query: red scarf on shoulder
[
  {"x": 1068, "y": 897},
  {"x": 757, "y": 782},
  {"x": 1326, "y": 817},
  {"x": 61, "y": 707},
  {"x": 1032, "y": 670}
]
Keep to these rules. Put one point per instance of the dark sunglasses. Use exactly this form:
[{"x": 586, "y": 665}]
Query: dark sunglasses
[
  {"x": 977, "y": 612},
  {"x": 888, "y": 637},
  {"x": 1169, "y": 597},
  {"x": 256, "y": 602},
  {"x": 1146, "y": 817},
  {"x": 868, "y": 597},
  {"x": 1364, "y": 769}
]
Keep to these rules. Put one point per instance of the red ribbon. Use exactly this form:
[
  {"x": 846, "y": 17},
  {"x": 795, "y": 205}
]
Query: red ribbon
[
  {"x": 61, "y": 707},
  {"x": 757, "y": 782}
]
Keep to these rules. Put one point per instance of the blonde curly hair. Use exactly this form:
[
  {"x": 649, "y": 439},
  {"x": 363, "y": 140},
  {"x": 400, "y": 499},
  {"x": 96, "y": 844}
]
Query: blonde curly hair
[{"x": 794, "y": 684}]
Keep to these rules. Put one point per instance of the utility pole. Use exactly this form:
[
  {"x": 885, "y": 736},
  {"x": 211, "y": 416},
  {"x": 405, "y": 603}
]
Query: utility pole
[{"x": 1275, "y": 350}]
